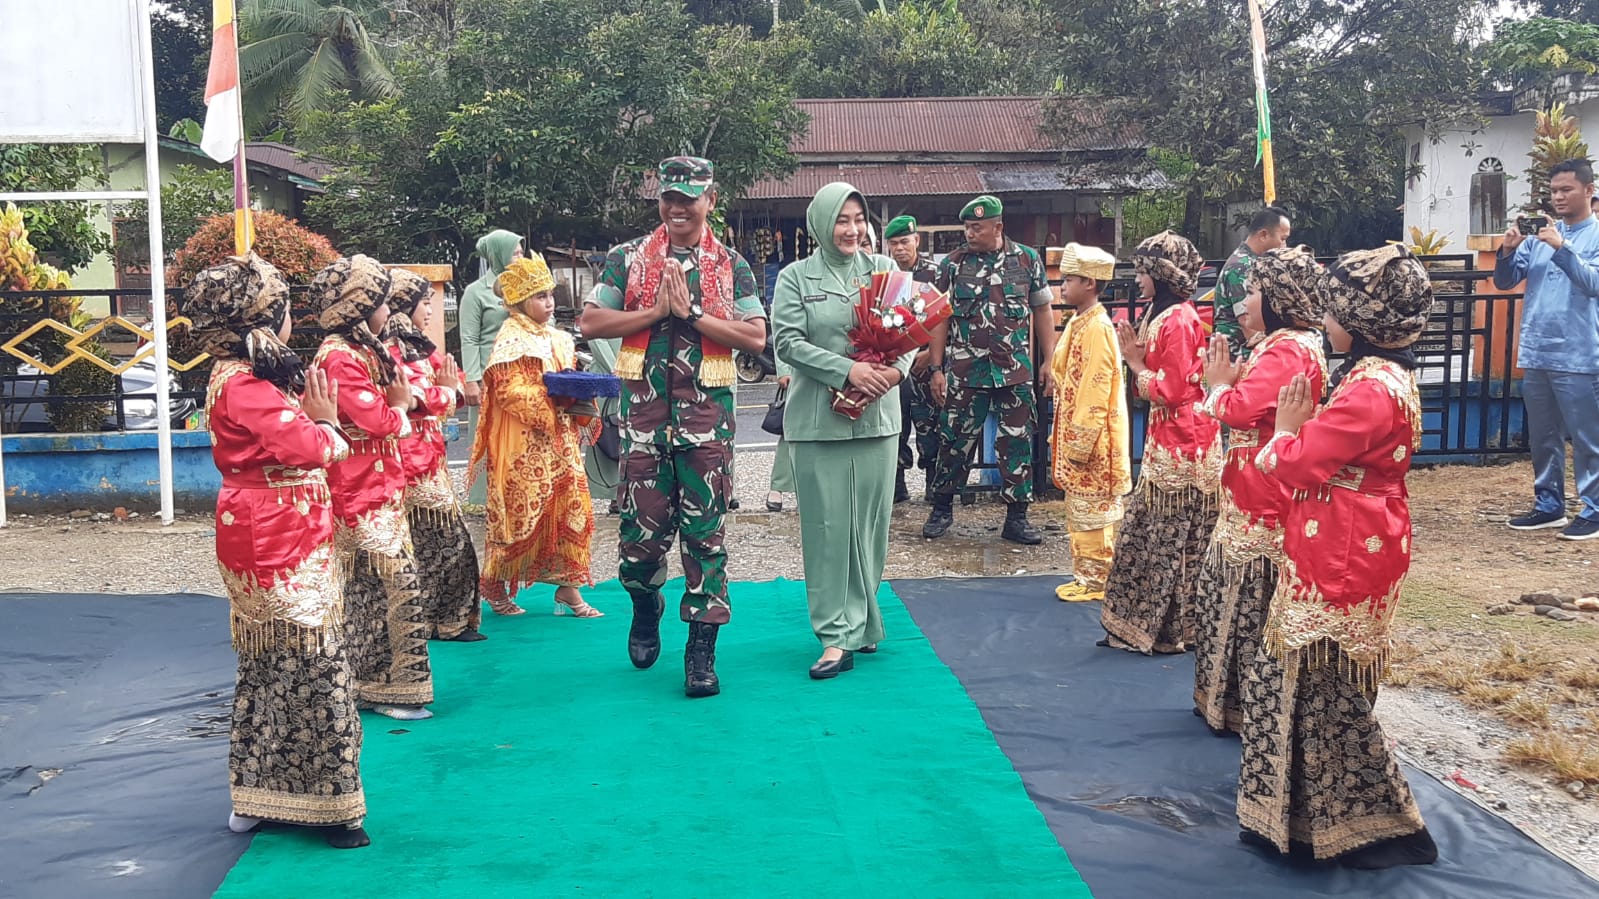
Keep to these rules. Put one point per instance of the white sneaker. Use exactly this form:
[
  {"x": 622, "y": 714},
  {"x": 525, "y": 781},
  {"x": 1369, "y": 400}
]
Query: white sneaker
[{"x": 403, "y": 712}]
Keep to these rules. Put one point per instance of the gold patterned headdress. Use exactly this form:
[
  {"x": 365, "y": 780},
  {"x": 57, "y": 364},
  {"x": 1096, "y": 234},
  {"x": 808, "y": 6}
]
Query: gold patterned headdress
[
  {"x": 524, "y": 278},
  {"x": 1088, "y": 262}
]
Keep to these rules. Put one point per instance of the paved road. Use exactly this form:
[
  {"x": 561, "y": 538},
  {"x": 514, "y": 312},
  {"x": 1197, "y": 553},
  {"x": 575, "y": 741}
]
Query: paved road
[{"x": 752, "y": 402}]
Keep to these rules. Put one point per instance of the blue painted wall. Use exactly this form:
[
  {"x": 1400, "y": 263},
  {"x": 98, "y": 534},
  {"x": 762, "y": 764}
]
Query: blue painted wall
[{"x": 63, "y": 472}]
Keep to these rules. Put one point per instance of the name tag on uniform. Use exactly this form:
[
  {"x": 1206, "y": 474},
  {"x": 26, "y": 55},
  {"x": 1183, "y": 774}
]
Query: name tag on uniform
[
  {"x": 687, "y": 262},
  {"x": 818, "y": 298}
]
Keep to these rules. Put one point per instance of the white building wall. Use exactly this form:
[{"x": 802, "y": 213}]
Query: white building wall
[{"x": 1440, "y": 198}]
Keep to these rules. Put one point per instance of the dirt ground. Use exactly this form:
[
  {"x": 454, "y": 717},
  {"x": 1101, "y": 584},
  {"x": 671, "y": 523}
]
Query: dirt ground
[{"x": 1504, "y": 707}]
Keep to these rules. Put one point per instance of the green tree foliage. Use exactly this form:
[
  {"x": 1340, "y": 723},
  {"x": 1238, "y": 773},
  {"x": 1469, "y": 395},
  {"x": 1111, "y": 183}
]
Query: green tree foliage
[
  {"x": 1576, "y": 10},
  {"x": 544, "y": 117},
  {"x": 913, "y": 49},
  {"x": 180, "y": 34},
  {"x": 190, "y": 196},
  {"x": 1345, "y": 78},
  {"x": 64, "y": 233},
  {"x": 1542, "y": 46},
  {"x": 300, "y": 55}
]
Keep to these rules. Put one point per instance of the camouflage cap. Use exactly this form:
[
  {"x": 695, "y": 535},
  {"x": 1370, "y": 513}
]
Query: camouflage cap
[
  {"x": 690, "y": 176},
  {"x": 899, "y": 226},
  {"x": 983, "y": 208}
]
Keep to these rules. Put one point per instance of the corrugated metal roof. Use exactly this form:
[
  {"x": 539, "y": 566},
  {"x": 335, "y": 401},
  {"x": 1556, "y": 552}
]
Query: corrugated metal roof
[
  {"x": 886, "y": 180},
  {"x": 936, "y": 125},
  {"x": 289, "y": 159},
  {"x": 948, "y": 178}
]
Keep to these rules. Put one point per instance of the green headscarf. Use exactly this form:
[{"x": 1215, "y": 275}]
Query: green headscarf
[
  {"x": 481, "y": 312},
  {"x": 820, "y": 217},
  {"x": 495, "y": 249}
]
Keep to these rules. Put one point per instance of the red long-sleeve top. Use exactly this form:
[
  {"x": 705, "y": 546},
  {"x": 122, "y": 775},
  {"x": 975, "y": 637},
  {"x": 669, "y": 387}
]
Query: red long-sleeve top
[
  {"x": 374, "y": 474},
  {"x": 423, "y": 452},
  {"x": 1346, "y": 530},
  {"x": 273, "y": 511},
  {"x": 1252, "y": 502},
  {"x": 1181, "y": 445}
]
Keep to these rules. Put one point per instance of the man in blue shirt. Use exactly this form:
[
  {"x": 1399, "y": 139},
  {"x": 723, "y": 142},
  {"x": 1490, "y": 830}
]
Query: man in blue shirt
[{"x": 1559, "y": 349}]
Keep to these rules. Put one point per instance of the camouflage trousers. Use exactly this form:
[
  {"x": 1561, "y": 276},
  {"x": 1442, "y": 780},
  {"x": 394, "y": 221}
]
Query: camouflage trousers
[
  {"x": 670, "y": 491},
  {"x": 919, "y": 420},
  {"x": 965, "y": 410}
]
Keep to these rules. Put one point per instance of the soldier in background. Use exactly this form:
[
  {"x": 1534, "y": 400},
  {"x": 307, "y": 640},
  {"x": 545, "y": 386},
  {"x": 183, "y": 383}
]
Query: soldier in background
[
  {"x": 1268, "y": 230},
  {"x": 982, "y": 361},
  {"x": 918, "y": 412}
]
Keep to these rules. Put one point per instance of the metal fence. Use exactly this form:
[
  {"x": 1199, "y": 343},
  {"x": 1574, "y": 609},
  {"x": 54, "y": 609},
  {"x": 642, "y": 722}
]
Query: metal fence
[{"x": 1470, "y": 400}]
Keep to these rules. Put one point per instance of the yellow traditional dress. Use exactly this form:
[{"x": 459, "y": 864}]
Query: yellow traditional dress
[
  {"x": 540, "y": 519},
  {"x": 1089, "y": 457},
  {"x": 1090, "y": 460}
]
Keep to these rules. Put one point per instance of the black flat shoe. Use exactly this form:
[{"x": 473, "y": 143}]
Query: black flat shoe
[
  {"x": 773, "y": 507},
  {"x": 868, "y": 648},
  {"x": 834, "y": 667}
]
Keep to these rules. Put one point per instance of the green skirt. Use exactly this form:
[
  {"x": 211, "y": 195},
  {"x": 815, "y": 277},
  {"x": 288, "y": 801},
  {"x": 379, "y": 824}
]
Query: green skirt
[{"x": 846, "y": 498}]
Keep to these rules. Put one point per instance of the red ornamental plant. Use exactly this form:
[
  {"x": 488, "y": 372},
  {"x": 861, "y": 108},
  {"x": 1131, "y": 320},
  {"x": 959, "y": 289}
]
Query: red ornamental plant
[
  {"x": 297, "y": 252},
  {"x": 895, "y": 315}
]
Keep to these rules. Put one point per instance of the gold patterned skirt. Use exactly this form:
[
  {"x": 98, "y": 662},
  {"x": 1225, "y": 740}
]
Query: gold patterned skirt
[
  {"x": 1151, "y": 592},
  {"x": 1233, "y": 601},
  {"x": 447, "y": 574},
  {"x": 1316, "y": 770},
  {"x": 294, "y": 751},
  {"x": 385, "y": 631}
]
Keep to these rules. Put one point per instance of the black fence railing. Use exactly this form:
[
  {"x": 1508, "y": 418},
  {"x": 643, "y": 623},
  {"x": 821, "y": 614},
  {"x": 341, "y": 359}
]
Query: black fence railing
[{"x": 1471, "y": 402}]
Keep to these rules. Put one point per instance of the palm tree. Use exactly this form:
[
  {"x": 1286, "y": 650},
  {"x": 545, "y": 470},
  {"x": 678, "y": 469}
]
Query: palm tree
[{"x": 302, "y": 53}]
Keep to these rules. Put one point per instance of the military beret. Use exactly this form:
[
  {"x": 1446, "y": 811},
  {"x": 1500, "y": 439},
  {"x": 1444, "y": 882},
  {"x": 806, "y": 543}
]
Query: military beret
[
  {"x": 899, "y": 226},
  {"x": 983, "y": 208}
]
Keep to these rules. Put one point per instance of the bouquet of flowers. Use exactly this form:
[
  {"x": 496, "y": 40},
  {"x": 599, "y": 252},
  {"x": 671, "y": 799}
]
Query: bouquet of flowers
[{"x": 896, "y": 315}]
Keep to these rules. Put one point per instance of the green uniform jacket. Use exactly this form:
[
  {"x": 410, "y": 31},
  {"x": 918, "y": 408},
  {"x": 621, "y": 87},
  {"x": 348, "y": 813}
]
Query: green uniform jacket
[{"x": 811, "y": 317}]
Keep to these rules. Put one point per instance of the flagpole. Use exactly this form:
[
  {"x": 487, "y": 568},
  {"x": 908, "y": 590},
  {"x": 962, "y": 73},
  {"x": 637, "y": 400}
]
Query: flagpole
[
  {"x": 1263, "y": 155},
  {"x": 158, "y": 274},
  {"x": 243, "y": 225}
]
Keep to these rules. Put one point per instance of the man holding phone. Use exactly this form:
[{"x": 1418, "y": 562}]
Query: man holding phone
[{"x": 1559, "y": 347}]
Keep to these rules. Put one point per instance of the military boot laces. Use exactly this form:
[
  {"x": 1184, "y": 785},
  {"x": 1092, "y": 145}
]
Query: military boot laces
[
  {"x": 644, "y": 638},
  {"x": 1018, "y": 529},
  {"x": 699, "y": 661}
]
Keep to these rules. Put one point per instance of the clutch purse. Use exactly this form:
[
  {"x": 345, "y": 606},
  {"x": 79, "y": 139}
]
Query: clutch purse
[{"x": 582, "y": 385}]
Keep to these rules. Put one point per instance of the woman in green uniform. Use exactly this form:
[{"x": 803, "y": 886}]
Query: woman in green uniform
[
  {"x": 843, "y": 469},
  {"x": 481, "y": 315}
]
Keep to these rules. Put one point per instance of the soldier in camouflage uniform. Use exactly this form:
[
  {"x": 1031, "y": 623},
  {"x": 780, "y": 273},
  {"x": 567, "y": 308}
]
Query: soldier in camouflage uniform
[
  {"x": 681, "y": 302},
  {"x": 918, "y": 412},
  {"x": 1268, "y": 230},
  {"x": 983, "y": 361}
]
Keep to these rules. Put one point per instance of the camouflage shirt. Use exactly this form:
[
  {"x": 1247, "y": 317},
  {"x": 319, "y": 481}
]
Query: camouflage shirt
[
  {"x": 1231, "y": 288},
  {"x": 925, "y": 269},
  {"x": 990, "y": 334},
  {"x": 669, "y": 406}
]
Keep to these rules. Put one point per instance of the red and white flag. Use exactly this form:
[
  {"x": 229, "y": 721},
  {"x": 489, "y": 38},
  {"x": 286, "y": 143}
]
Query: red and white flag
[
  {"x": 223, "y": 138},
  {"x": 222, "y": 129}
]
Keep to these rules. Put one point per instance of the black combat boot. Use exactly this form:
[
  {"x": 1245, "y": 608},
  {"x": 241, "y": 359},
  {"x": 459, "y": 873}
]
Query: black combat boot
[
  {"x": 939, "y": 520},
  {"x": 901, "y": 493},
  {"x": 699, "y": 661},
  {"x": 644, "y": 638},
  {"x": 1017, "y": 528}
]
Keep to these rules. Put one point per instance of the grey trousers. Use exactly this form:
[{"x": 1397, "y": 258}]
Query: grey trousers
[{"x": 1563, "y": 405}]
